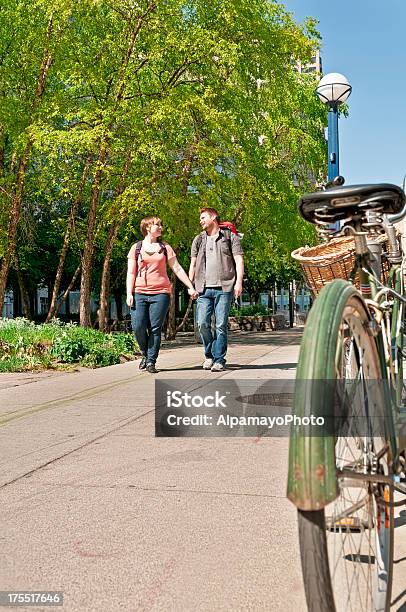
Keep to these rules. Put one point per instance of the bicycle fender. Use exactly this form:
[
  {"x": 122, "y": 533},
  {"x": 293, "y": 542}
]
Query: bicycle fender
[{"x": 312, "y": 479}]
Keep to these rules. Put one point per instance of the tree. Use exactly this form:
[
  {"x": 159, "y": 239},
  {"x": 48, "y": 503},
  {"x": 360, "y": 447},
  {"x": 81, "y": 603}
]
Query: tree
[
  {"x": 129, "y": 109},
  {"x": 30, "y": 36}
]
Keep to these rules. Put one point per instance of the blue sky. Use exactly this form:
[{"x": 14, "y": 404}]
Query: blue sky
[{"x": 366, "y": 41}]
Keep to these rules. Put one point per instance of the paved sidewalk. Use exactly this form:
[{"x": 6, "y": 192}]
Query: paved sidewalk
[{"x": 95, "y": 506}]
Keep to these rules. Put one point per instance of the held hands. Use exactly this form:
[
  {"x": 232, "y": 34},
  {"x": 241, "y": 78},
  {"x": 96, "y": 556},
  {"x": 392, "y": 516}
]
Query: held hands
[
  {"x": 130, "y": 300},
  {"x": 193, "y": 293},
  {"x": 237, "y": 289}
]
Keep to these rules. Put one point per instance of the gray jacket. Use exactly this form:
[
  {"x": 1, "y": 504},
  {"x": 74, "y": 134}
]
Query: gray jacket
[{"x": 227, "y": 246}]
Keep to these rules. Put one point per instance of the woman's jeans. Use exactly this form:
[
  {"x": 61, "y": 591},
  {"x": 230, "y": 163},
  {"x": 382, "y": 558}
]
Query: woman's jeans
[
  {"x": 214, "y": 300},
  {"x": 147, "y": 317}
]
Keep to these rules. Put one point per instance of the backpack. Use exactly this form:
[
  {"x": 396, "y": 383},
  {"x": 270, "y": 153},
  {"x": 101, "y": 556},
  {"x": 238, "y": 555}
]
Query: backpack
[
  {"x": 228, "y": 228},
  {"x": 138, "y": 248},
  {"x": 227, "y": 225}
]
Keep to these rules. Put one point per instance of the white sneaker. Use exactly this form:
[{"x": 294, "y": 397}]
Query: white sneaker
[
  {"x": 207, "y": 363},
  {"x": 218, "y": 367}
]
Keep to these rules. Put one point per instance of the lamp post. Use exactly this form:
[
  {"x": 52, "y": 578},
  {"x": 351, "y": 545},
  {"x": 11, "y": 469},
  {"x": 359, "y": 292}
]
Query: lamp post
[{"x": 333, "y": 89}]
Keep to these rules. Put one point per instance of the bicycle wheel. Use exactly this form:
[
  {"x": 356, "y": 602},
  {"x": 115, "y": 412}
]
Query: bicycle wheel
[{"x": 347, "y": 547}]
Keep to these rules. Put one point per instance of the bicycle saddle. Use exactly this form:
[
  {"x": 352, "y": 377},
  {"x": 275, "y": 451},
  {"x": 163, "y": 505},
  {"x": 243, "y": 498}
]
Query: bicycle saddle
[{"x": 350, "y": 200}]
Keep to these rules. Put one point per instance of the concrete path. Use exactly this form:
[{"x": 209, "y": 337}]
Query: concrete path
[{"x": 96, "y": 506}]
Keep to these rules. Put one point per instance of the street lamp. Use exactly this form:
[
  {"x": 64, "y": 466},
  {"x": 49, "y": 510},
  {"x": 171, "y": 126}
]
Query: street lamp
[{"x": 333, "y": 89}]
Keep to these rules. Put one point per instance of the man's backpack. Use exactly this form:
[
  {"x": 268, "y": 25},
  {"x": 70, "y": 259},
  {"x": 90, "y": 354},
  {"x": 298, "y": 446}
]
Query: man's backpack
[
  {"x": 227, "y": 225},
  {"x": 228, "y": 228}
]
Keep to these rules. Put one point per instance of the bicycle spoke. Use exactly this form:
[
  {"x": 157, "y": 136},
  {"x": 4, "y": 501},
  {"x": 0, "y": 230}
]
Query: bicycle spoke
[
  {"x": 352, "y": 536},
  {"x": 352, "y": 526}
]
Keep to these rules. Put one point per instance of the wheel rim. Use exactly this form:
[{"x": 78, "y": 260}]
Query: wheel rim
[{"x": 358, "y": 526}]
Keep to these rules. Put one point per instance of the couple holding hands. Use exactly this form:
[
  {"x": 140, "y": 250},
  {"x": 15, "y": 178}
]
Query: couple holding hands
[{"x": 216, "y": 269}]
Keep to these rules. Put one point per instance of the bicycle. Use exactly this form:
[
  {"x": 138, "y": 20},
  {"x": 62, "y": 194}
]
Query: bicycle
[{"x": 343, "y": 479}]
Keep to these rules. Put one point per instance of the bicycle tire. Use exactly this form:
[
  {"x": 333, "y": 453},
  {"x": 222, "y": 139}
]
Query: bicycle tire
[{"x": 336, "y": 581}]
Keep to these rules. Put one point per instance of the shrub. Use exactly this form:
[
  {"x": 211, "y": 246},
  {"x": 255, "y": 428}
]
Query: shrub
[
  {"x": 100, "y": 356},
  {"x": 26, "y": 346},
  {"x": 68, "y": 348},
  {"x": 248, "y": 311},
  {"x": 126, "y": 343}
]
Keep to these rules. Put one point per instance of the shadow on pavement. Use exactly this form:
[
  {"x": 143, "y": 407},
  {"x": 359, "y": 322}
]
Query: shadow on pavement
[
  {"x": 233, "y": 367},
  {"x": 398, "y": 598},
  {"x": 267, "y": 366},
  {"x": 188, "y": 369},
  {"x": 401, "y": 519},
  {"x": 286, "y": 336}
]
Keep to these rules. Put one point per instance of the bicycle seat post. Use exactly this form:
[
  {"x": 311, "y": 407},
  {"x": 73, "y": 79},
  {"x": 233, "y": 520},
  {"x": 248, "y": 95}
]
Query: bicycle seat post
[{"x": 375, "y": 260}]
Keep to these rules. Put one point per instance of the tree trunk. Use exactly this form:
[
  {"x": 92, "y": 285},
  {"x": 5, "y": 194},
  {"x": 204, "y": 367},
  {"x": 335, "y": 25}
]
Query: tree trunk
[
  {"x": 270, "y": 300},
  {"x": 88, "y": 251},
  {"x": 185, "y": 317},
  {"x": 20, "y": 176},
  {"x": 16, "y": 295},
  {"x": 118, "y": 298},
  {"x": 291, "y": 312},
  {"x": 65, "y": 295},
  {"x": 112, "y": 235},
  {"x": 185, "y": 178},
  {"x": 198, "y": 339},
  {"x": 105, "y": 278},
  {"x": 67, "y": 306},
  {"x": 66, "y": 240},
  {"x": 25, "y": 300},
  {"x": 2, "y": 149},
  {"x": 13, "y": 222}
]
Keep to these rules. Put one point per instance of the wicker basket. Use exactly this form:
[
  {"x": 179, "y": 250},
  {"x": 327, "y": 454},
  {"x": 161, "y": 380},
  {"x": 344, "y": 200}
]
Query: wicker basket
[{"x": 334, "y": 259}]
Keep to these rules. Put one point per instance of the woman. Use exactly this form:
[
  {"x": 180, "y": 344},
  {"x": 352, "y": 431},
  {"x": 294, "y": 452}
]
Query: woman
[{"x": 149, "y": 289}]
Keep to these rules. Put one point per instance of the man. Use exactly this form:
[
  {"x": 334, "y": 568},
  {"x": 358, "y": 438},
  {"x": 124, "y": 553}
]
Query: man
[{"x": 217, "y": 270}]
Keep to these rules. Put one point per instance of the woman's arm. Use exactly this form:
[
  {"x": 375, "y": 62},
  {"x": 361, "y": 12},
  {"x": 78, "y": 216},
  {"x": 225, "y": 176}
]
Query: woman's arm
[
  {"x": 182, "y": 276},
  {"x": 130, "y": 281}
]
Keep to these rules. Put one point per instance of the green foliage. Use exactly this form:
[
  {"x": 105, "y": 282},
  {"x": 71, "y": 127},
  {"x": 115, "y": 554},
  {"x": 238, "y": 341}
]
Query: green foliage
[
  {"x": 92, "y": 348},
  {"x": 70, "y": 346},
  {"x": 196, "y": 103},
  {"x": 26, "y": 346},
  {"x": 249, "y": 311}
]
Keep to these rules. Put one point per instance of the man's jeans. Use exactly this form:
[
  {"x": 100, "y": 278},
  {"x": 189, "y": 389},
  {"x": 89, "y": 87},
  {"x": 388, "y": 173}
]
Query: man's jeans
[
  {"x": 147, "y": 318},
  {"x": 214, "y": 300}
]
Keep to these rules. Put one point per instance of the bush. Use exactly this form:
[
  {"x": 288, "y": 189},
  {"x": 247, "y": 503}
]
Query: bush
[
  {"x": 126, "y": 343},
  {"x": 26, "y": 346},
  {"x": 249, "y": 311},
  {"x": 100, "y": 356},
  {"x": 68, "y": 348}
]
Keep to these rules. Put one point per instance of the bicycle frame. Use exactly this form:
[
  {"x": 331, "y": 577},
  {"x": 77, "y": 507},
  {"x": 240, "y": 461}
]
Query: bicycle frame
[{"x": 312, "y": 479}]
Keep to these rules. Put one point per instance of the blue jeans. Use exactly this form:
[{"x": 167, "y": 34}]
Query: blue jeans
[
  {"x": 147, "y": 316},
  {"x": 214, "y": 300}
]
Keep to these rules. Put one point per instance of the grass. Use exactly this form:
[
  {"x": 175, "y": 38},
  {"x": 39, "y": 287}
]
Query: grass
[{"x": 25, "y": 346}]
